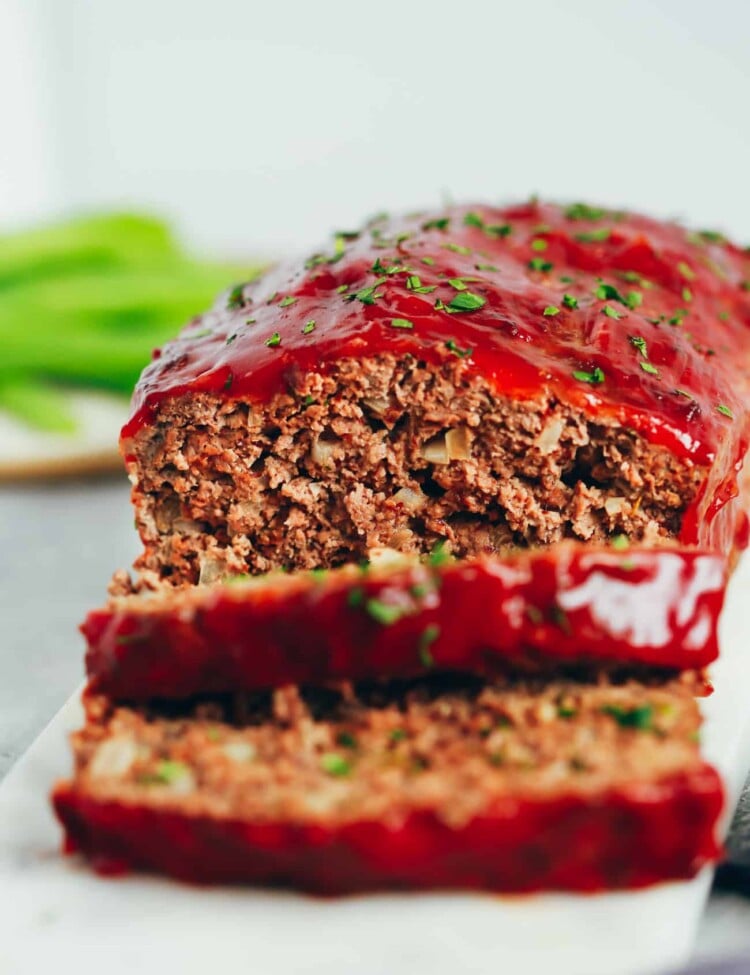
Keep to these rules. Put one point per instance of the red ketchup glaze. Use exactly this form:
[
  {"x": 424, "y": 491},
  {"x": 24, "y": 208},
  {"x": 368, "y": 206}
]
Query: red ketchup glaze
[
  {"x": 651, "y": 318},
  {"x": 629, "y": 836},
  {"x": 657, "y": 607}
]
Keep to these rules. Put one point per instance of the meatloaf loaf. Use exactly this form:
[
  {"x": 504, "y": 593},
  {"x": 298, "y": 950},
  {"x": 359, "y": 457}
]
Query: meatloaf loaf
[
  {"x": 479, "y": 376},
  {"x": 507, "y": 786},
  {"x": 398, "y": 617}
]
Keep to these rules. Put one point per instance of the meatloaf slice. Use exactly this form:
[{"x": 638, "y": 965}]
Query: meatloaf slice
[
  {"x": 487, "y": 377},
  {"x": 400, "y": 617},
  {"x": 512, "y": 786}
]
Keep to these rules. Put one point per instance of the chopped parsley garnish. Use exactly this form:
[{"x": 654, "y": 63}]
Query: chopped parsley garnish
[
  {"x": 457, "y": 284},
  {"x": 538, "y": 244},
  {"x": 429, "y": 261},
  {"x": 230, "y": 379},
  {"x": 686, "y": 271},
  {"x": 384, "y": 613},
  {"x": 551, "y": 310},
  {"x": 633, "y": 299},
  {"x": 498, "y": 230},
  {"x": 569, "y": 301},
  {"x": 594, "y": 236},
  {"x": 633, "y": 277},
  {"x": 401, "y": 323},
  {"x": 620, "y": 542},
  {"x": 452, "y": 346},
  {"x": 335, "y": 764},
  {"x": 582, "y": 211},
  {"x": 355, "y": 598},
  {"x": 287, "y": 301},
  {"x": 426, "y": 639},
  {"x": 367, "y": 296},
  {"x": 566, "y": 711},
  {"x": 346, "y": 739},
  {"x": 441, "y": 223},
  {"x": 687, "y": 295},
  {"x": 274, "y": 340},
  {"x": 250, "y": 321},
  {"x": 712, "y": 236},
  {"x": 678, "y": 317},
  {"x": 466, "y": 301},
  {"x": 308, "y": 401},
  {"x": 413, "y": 282},
  {"x": 342, "y": 288},
  {"x": 473, "y": 220},
  {"x": 608, "y": 292},
  {"x": 649, "y": 367},
  {"x": 236, "y": 297},
  {"x": 725, "y": 411},
  {"x": 438, "y": 556},
  {"x": 308, "y": 327},
  {"x": 594, "y": 377},
  {"x": 397, "y": 734},
  {"x": 486, "y": 267},
  {"x": 639, "y": 343},
  {"x": 231, "y": 338},
  {"x": 169, "y": 771},
  {"x": 539, "y": 264},
  {"x": 611, "y": 312},
  {"x": 457, "y": 248},
  {"x": 641, "y": 718}
]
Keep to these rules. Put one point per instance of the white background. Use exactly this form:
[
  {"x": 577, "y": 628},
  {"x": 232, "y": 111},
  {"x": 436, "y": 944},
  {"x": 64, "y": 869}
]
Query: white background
[{"x": 262, "y": 126}]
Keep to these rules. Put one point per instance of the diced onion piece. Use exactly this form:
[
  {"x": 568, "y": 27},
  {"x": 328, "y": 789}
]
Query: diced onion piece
[
  {"x": 113, "y": 758},
  {"x": 458, "y": 444},
  {"x": 549, "y": 437},
  {"x": 615, "y": 506},
  {"x": 322, "y": 451},
  {"x": 435, "y": 451},
  {"x": 239, "y": 751},
  {"x": 412, "y": 500}
]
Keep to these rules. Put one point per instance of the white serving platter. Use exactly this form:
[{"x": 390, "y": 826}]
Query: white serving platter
[{"x": 57, "y": 916}]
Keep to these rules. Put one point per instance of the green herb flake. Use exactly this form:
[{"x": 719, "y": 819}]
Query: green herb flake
[
  {"x": 346, "y": 739},
  {"x": 457, "y": 284},
  {"x": 426, "y": 639},
  {"x": 413, "y": 282},
  {"x": 342, "y": 288},
  {"x": 401, "y": 323},
  {"x": 550, "y": 311},
  {"x": 539, "y": 245},
  {"x": 498, "y": 230},
  {"x": 453, "y": 347},
  {"x": 594, "y": 236},
  {"x": 611, "y": 312},
  {"x": 472, "y": 219},
  {"x": 686, "y": 271},
  {"x": 582, "y": 211},
  {"x": 639, "y": 718},
  {"x": 486, "y": 267},
  {"x": 725, "y": 411},
  {"x": 367, "y": 296},
  {"x": 236, "y": 297},
  {"x": 384, "y": 613},
  {"x": 287, "y": 301},
  {"x": 539, "y": 264},
  {"x": 250, "y": 321},
  {"x": 570, "y": 301},
  {"x": 638, "y": 342},
  {"x": 308, "y": 327},
  {"x": 441, "y": 223},
  {"x": 633, "y": 299},
  {"x": 608, "y": 292},
  {"x": 308, "y": 401},
  {"x": 566, "y": 711},
  {"x": 595, "y": 377},
  {"x": 438, "y": 556},
  {"x": 429, "y": 261},
  {"x": 466, "y": 301},
  {"x": 397, "y": 734},
  {"x": 649, "y": 367},
  {"x": 457, "y": 248},
  {"x": 273, "y": 341},
  {"x": 620, "y": 542},
  {"x": 355, "y": 598},
  {"x": 335, "y": 764},
  {"x": 687, "y": 295},
  {"x": 168, "y": 771},
  {"x": 200, "y": 335},
  {"x": 271, "y": 298}
]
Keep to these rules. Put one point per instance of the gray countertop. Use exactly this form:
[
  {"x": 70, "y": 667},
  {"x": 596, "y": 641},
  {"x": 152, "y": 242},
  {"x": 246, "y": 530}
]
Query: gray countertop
[{"x": 59, "y": 545}]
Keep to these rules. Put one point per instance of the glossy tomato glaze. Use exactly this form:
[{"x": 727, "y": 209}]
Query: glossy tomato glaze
[
  {"x": 627, "y": 836},
  {"x": 542, "y": 609},
  {"x": 617, "y": 314}
]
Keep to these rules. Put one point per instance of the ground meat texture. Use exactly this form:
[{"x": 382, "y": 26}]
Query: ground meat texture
[
  {"x": 399, "y": 617},
  {"x": 488, "y": 377},
  {"x": 389, "y": 452},
  {"x": 506, "y": 786}
]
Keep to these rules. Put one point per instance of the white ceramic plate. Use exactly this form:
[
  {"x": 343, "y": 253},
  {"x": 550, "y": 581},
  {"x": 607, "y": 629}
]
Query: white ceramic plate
[{"x": 57, "y": 916}]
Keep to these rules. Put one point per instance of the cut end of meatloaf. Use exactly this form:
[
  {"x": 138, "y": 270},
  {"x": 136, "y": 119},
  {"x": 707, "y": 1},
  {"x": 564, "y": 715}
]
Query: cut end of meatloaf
[
  {"x": 571, "y": 784},
  {"x": 388, "y": 451}
]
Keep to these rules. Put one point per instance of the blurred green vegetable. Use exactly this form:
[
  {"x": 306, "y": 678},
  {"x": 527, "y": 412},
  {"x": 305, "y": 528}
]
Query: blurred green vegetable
[{"x": 85, "y": 302}]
